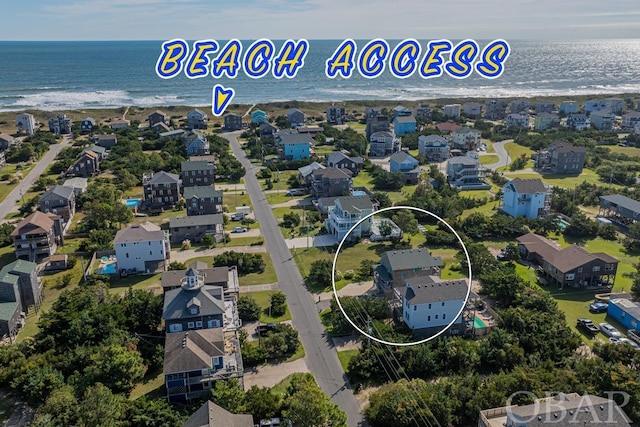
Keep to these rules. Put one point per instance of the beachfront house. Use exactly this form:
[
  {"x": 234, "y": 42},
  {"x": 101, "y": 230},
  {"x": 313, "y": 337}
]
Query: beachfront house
[
  {"x": 61, "y": 201},
  {"x": 26, "y": 122},
  {"x": 571, "y": 266},
  {"x": 120, "y": 124},
  {"x": 232, "y": 122},
  {"x": 466, "y": 139},
  {"x": 60, "y": 124},
  {"x": 399, "y": 265},
  {"x": 258, "y": 116},
  {"x": 544, "y": 121},
  {"x": 86, "y": 166},
  {"x": 602, "y": 120},
  {"x": 87, "y": 125},
  {"x": 375, "y": 122},
  {"x": 519, "y": 106},
  {"x": 472, "y": 109},
  {"x": 429, "y": 304},
  {"x": 544, "y": 107},
  {"x": 529, "y": 198},
  {"x": 142, "y": 248},
  {"x": 336, "y": 114},
  {"x": 197, "y": 119},
  {"x": 157, "y": 117},
  {"x": 403, "y": 125},
  {"x": 195, "y": 227},
  {"x": 161, "y": 190},
  {"x": 558, "y": 409},
  {"x": 422, "y": 111},
  {"x": 407, "y": 165},
  {"x": 520, "y": 120},
  {"x": 295, "y": 117},
  {"x": 345, "y": 213},
  {"x": 577, "y": 121},
  {"x": 451, "y": 111},
  {"x": 7, "y": 141},
  {"x": 495, "y": 109},
  {"x": 630, "y": 120},
  {"x": 202, "y": 200},
  {"x": 106, "y": 141},
  {"x": 433, "y": 148},
  {"x": 561, "y": 158},
  {"x": 569, "y": 107},
  {"x": 339, "y": 160},
  {"x": 37, "y": 236},
  {"x": 383, "y": 143},
  {"x": 195, "y": 173},
  {"x": 331, "y": 182}
]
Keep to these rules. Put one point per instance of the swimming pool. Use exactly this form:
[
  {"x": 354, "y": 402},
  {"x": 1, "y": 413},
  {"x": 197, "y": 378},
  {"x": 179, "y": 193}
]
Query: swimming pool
[
  {"x": 109, "y": 269},
  {"x": 359, "y": 193},
  {"x": 132, "y": 203},
  {"x": 478, "y": 323},
  {"x": 563, "y": 224}
]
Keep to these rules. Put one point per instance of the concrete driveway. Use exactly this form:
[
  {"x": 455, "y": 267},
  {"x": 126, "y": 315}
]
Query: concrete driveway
[{"x": 270, "y": 375}]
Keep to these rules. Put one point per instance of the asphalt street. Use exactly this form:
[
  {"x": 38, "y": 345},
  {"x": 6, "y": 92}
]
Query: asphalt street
[{"x": 321, "y": 356}]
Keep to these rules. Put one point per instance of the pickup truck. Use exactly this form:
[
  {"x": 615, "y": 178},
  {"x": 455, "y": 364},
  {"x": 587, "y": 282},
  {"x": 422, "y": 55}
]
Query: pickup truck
[
  {"x": 263, "y": 330},
  {"x": 588, "y": 326}
]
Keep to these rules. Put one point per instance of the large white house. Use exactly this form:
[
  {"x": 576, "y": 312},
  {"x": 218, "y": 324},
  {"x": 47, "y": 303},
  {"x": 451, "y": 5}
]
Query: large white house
[
  {"x": 142, "y": 248},
  {"x": 346, "y": 213},
  {"x": 529, "y": 198},
  {"x": 428, "y": 302}
]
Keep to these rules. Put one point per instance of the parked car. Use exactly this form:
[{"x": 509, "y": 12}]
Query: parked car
[
  {"x": 631, "y": 343},
  {"x": 609, "y": 330},
  {"x": 588, "y": 326},
  {"x": 263, "y": 330},
  {"x": 238, "y": 216},
  {"x": 598, "y": 307},
  {"x": 634, "y": 335},
  {"x": 239, "y": 230},
  {"x": 296, "y": 192}
]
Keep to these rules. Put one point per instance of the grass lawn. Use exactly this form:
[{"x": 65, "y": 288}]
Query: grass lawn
[
  {"x": 345, "y": 356},
  {"x": 152, "y": 386},
  {"x": 232, "y": 224},
  {"x": 7, "y": 255},
  {"x": 357, "y": 126},
  {"x": 280, "y": 389},
  {"x": 51, "y": 291},
  {"x": 629, "y": 151},
  {"x": 488, "y": 159},
  {"x": 449, "y": 258},
  {"x": 363, "y": 179},
  {"x": 268, "y": 276},
  {"x": 241, "y": 241},
  {"x": 323, "y": 150},
  {"x": 10, "y": 169},
  {"x": 142, "y": 281},
  {"x": 489, "y": 143},
  {"x": 475, "y": 194},
  {"x": 280, "y": 180},
  {"x": 162, "y": 218},
  {"x": 487, "y": 209},
  {"x": 565, "y": 181},
  {"x": 234, "y": 199},
  {"x": 71, "y": 246},
  {"x": 281, "y": 197},
  {"x": 516, "y": 150},
  {"x": 262, "y": 298}
]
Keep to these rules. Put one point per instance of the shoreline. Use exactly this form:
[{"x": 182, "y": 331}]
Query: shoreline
[{"x": 274, "y": 108}]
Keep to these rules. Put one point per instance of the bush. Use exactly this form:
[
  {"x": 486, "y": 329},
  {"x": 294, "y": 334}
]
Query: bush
[
  {"x": 291, "y": 220},
  {"x": 186, "y": 244},
  {"x": 246, "y": 263},
  {"x": 278, "y": 304},
  {"x": 248, "y": 309}
]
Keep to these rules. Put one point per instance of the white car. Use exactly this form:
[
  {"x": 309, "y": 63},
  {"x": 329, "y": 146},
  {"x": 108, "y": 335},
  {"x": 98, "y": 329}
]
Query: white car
[
  {"x": 609, "y": 330},
  {"x": 631, "y": 343},
  {"x": 239, "y": 230}
]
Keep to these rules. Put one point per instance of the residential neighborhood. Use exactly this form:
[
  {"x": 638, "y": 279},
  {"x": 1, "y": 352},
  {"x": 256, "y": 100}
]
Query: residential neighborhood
[{"x": 203, "y": 249}]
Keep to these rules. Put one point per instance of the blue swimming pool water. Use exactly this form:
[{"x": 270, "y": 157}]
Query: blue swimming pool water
[
  {"x": 359, "y": 193},
  {"x": 109, "y": 268},
  {"x": 132, "y": 203}
]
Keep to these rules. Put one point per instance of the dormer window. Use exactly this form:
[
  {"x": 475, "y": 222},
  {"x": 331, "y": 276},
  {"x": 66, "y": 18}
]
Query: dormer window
[{"x": 194, "y": 310}]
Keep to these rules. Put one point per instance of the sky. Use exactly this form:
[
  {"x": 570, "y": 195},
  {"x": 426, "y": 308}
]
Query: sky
[{"x": 318, "y": 19}]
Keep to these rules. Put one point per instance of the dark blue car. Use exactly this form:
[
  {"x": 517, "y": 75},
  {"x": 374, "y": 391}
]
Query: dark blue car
[{"x": 598, "y": 307}]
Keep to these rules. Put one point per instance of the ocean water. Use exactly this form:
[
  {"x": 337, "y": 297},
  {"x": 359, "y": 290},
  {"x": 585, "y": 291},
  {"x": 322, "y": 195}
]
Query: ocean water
[{"x": 78, "y": 75}]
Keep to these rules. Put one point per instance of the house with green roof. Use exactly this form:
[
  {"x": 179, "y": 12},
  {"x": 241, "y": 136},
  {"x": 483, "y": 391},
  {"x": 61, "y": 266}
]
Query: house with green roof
[{"x": 19, "y": 291}]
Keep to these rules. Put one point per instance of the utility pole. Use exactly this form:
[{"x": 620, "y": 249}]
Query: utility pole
[{"x": 368, "y": 331}]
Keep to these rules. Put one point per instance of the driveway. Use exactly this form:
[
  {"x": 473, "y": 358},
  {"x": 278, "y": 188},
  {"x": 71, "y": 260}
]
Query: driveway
[
  {"x": 252, "y": 232},
  {"x": 312, "y": 241},
  {"x": 503, "y": 156},
  {"x": 182, "y": 256},
  {"x": 270, "y": 375}
]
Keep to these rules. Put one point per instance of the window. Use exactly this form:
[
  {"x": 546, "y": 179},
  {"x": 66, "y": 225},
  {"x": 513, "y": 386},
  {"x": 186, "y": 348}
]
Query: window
[
  {"x": 429, "y": 306},
  {"x": 127, "y": 254},
  {"x": 608, "y": 267},
  {"x": 199, "y": 324},
  {"x": 569, "y": 276},
  {"x": 193, "y": 310},
  {"x": 436, "y": 317},
  {"x": 428, "y": 318},
  {"x": 150, "y": 252},
  {"x": 191, "y": 325},
  {"x": 176, "y": 327},
  {"x": 596, "y": 268},
  {"x": 443, "y": 303},
  {"x": 580, "y": 270},
  {"x": 415, "y": 307},
  {"x": 444, "y": 316}
]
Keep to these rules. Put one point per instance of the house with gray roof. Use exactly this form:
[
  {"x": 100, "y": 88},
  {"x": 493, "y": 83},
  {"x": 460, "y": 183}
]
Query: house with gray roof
[
  {"x": 79, "y": 185},
  {"x": 430, "y": 304},
  {"x": 202, "y": 200},
  {"x": 295, "y": 117},
  {"x": 232, "y": 122},
  {"x": 20, "y": 291},
  {"x": 194, "y": 228},
  {"x": 339, "y": 160},
  {"x": 195, "y": 141},
  {"x": 346, "y": 212},
  {"x": 529, "y": 198},
  {"x": 225, "y": 277},
  {"x": 161, "y": 190},
  {"x": 293, "y": 145},
  {"x": 142, "y": 248},
  {"x": 267, "y": 131},
  {"x": 383, "y": 143},
  {"x": 561, "y": 158},
  {"x": 305, "y": 172},
  {"x": 59, "y": 200},
  {"x": 157, "y": 117},
  {"x": 434, "y": 148},
  {"x": 329, "y": 182},
  {"x": 407, "y": 165},
  {"x": 620, "y": 209},
  {"x": 87, "y": 165},
  {"x": 195, "y": 360},
  {"x": 212, "y": 415},
  {"x": 195, "y": 173},
  {"x": 106, "y": 140},
  {"x": 87, "y": 125},
  {"x": 465, "y": 173},
  {"x": 399, "y": 265},
  {"x": 197, "y": 119}
]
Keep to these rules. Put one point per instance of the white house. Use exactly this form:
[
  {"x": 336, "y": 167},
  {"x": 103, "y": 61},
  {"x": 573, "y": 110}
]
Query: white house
[
  {"x": 520, "y": 120},
  {"x": 427, "y": 302},
  {"x": 26, "y": 123},
  {"x": 529, "y": 198},
  {"x": 466, "y": 138},
  {"x": 346, "y": 213},
  {"x": 434, "y": 148},
  {"x": 569, "y": 107},
  {"x": 142, "y": 248}
]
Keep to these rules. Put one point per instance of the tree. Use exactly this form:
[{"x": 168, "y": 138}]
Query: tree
[
  {"x": 261, "y": 403},
  {"x": 481, "y": 259},
  {"x": 307, "y": 405},
  {"x": 147, "y": 412},
  {"x": 291, "y": 220},
  {"x": 5, "y": 234},
  {"x": 117, "y": 367},
  {"x": 382, "y": 198},
  {"x": 608, "y": 232},
  {"x": 406, "y": 220},
  {"x": 385, "y": 228},
  {"x": 511, "y": 252},
  {"x": 177, "y": 265},
  {"x": 248, "y": 309},
  {"x": 365, "y": 271},
  {"x": 278, "y": 305},
  {"x": 142, "y": 310},
  {"x": 504, "y": 285},
  {"x": 319, "y": 275},
  {"x": 247, "y": 263},
  {"x": 100, "y": 407},
  {"x": 228, "y": 395},
  {"x": 208, "y": 240}
]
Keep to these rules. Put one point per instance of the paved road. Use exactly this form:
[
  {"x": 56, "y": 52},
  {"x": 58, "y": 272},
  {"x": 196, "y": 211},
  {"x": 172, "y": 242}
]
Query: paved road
[
  {"x": 321, "y": 356},
  {"x": 23, "y": 186},
  {"x": 503, "y": 156}
]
